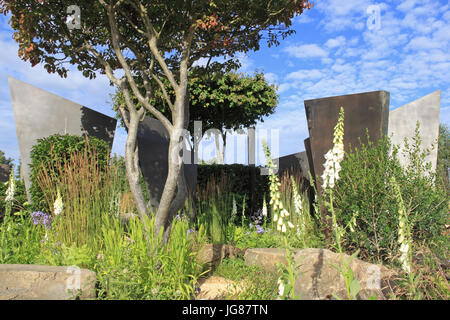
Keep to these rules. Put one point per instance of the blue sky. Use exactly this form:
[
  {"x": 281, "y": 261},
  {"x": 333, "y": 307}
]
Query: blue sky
[{"x": 337, "y": 49}]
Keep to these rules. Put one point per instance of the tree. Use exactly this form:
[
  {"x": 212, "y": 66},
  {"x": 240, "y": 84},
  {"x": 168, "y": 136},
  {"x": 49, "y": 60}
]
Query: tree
[
  {"x": 222, "y": 102},
  {"x": 4, "y": 160},
  {"x": 148, "y": 40}
]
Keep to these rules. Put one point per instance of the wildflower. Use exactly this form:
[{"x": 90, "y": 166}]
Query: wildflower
[
  {"x": 264, "y": 209},
  {"x": 189, "y": 231},
  {"x": 234, "y": 210},
  {"x": 41, "y": 218},
  {"x": 404, "y": 236},
  {"x": 335, "y": 155},
  {"x": 11, "y": 187},
  {"x": 283, "y": 228},
  {"x": 280, "y": 287},
  {"x": 100, "y": 256},
  {"x": 291, "y": 225},
  {"x": 259, "y": 229},
  {"x": 58, "y": 205}
]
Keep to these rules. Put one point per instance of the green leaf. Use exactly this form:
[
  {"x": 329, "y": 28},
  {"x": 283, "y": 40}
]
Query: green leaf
[{"x": 354, "y": 288}]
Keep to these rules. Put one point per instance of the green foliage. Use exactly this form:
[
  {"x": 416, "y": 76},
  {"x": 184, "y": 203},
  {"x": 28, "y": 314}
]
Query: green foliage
[
  {"x": 20, "y": 202},
  {"x": 53, "y": 152},
  {"x": 20, "y": 240},
  {"x": 221, "y": 101},
  {"x": 220, "y": 28},
  {"x": 4, "y": 160},
  {"x": 364, "y": 197},
  {"x": 238, "y": 176},
  {"x": 253, "y": 283},
  {"x": 443, "y": 161},
  {"x": 132, "y": 268}
]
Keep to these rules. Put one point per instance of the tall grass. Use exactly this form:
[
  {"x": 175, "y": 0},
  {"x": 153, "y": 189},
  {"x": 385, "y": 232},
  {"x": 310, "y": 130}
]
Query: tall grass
[
  {"x": 133, "y": 268},
  {"x": 87, "y": 190},
  {"x": 214, "y": 209}
]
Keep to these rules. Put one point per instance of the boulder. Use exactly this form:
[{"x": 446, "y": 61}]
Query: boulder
[
  {"x": 218, "y": 288},
  {"x": 317, "y": 279},
  {"x": 212, "y": 255},
  {"x": 37, "y": 282}
]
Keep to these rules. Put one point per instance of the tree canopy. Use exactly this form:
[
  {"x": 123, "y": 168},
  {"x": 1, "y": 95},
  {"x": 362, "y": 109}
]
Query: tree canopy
[
  {"x": 4, "y": 160},
  {"x": 223, "y": 101}
]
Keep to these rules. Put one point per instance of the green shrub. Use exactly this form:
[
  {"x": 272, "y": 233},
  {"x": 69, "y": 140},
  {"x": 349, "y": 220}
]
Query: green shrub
[
  {"x": 443, "y": 161},
  {"x": 238, "y": 176},
  {"x": 363, "y": 192},
  {"x": 53, "y": 152}
]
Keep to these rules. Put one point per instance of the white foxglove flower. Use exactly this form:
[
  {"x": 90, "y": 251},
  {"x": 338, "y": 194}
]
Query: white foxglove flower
[
  {"x": 335, "y": 155},
  {"x": 280, "y": 287},
  {"x": 280, "y": 221},
  {"x": 284, "y": 213},
  {"x": 275, "y": 217},
  {"x": 264, "y": 209},
  {"x": 58, "y": 206},
  {"x": 404, "y": 248},
  {"x": 283, "y": 228},
  {"x": 11, "y": 188},
  {"x": 291, "y": 225},
  {"x": 406, "y": 266}
]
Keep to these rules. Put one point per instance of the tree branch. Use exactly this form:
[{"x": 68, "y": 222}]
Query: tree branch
[{"x": 115, "y": 37}]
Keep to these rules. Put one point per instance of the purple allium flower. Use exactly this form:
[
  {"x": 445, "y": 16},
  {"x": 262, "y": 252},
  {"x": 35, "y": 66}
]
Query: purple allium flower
[{"x": 189, "y": 231}]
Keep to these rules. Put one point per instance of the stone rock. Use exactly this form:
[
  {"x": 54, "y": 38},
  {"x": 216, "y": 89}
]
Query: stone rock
[
  {"x": 4, "y": 172},
  {"x": 403, "y": 120},
  {"x": 39, "y": 114},
  {"x": 212, "y": 255},
  {"x": 218, "y": 288},
  {"x": 318, "y": 279},
  {"x": 36, "y": 282}
]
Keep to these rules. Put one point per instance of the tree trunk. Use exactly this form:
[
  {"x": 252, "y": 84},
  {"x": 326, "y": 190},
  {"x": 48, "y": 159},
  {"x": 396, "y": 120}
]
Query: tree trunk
[
  {"x": 219, "y": 159},
  {"x": 166, "y": 209},
  {"x": 181, "y": 191},
  {"x": 224, "y": 138},
  {"x": 132, "y": 163}
]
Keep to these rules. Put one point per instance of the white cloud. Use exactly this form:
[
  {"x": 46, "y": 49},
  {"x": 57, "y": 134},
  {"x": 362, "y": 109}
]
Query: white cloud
[
  {"x": 304, "y": 74},
  {"x": 306, "y": 51},
  {"x": 335, "y": 42},
  {"x": 271, "y": 77}
]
